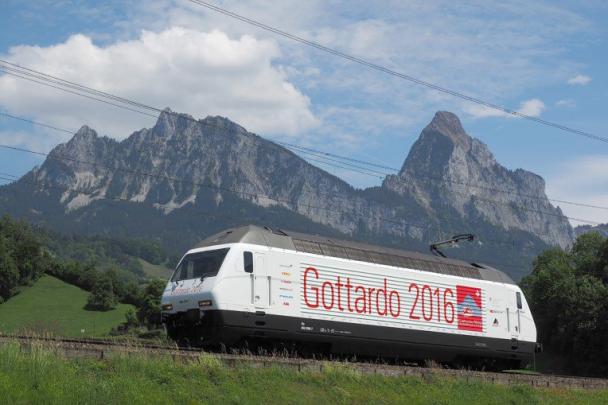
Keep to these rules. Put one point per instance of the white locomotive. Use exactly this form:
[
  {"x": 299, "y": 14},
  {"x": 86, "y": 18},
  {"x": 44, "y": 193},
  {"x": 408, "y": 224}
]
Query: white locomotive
[{"x": 257, "y": 284}]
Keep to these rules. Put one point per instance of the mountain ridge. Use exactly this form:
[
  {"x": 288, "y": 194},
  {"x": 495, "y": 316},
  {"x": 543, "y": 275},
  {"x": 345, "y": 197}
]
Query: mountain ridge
[{"x": 183, "y": 166}]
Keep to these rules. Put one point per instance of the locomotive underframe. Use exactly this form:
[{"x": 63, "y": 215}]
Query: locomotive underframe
[{"x": 215, "y": 328}]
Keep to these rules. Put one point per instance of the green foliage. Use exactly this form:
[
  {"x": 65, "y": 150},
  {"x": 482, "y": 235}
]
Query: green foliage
[
  {"x": 106, "y": 253},
  {"x": 149, "y": 304},
  {"x": 22, "y": 258},
  {"x": 102, "y": 297},
  {"x": 40, "y": 376},
  {"x": 568, "y": 295},
  {"x": 53, "y": 306},
  {"x": 100, "y": 265}
]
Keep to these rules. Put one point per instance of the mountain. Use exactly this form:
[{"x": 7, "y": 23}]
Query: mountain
[
  {"x": 445, "y": 161},
  {"x": 581, "y": 229},
  {"x": 184, "y": 179}
]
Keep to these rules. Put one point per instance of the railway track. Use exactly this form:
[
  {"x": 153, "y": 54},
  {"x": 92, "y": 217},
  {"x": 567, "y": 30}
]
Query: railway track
[{"x": 98, "y": 348}]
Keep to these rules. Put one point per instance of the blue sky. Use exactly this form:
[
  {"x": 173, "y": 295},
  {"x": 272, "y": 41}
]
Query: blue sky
[{"x": 548, "y": 59}]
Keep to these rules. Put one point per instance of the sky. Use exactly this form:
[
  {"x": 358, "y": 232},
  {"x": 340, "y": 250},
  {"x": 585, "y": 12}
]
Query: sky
[{"x": 547, "y": 59}]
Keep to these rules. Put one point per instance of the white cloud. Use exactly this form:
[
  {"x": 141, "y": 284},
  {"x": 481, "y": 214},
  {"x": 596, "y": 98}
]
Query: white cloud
[
  {"x": 565, "y": 103},
  {"x": 581, "y": 80},
  {"x": 491, "y": 50},
  {"x": 201, "y": 73},
  {"x": 532, "y": 108},
  {"x": 581, "y": 179},
  {"x": 481, "y": 111}
]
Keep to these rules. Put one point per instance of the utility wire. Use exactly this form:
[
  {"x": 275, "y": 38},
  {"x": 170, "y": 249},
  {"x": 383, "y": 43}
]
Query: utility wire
[
  {"x": 258, "y": 196},
  {"x": 11, "y": 178},
  {"x": 514, "y": 206},
  {"x": 93, "y": 91},
  {"x": 315, "y": 152},
  {"x": 56, "y": 156},
  {"x": 354, "y": 168},
  {"x": 4, "y": 65},
  {"x": 391, "y": 72}
]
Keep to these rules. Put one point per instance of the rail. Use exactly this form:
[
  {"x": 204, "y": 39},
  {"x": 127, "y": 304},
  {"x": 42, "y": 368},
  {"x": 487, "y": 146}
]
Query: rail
[{"x": 99, "y": 348}]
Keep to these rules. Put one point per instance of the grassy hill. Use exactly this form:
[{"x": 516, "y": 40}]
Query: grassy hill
[
  {"x": 52, "y": 306},
  {"x": 155, "y": 270}
]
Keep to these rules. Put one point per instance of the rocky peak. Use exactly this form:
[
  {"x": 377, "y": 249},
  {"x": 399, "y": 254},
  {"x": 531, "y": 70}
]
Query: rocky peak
[
  {"x": 84, "y": 144},
  {"x": 170, "y": 122},
  {"x": 85, "y": 133},
  {"x": 447, "y": 124},
  {"x": 448, "y": 168}
]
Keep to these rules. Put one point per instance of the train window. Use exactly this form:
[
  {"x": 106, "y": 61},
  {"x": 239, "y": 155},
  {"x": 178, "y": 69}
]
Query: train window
[
  {"x": 248, "y": 262},
  {"x": 518, "y": 297},
  {"x": 200, "y": 265}
]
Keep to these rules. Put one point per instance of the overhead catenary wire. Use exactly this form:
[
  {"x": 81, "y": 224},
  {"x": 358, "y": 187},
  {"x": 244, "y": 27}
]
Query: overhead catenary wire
[
  {"x": 89, "y": 90},
  {"x": 511, "y": 205},
  {"x": 11, "y": 178},
  {"x": 209, "y": 185},
  {"x": 54, "y": 79},
  {"x": 306, "y": 150},
  {"x": 354, "y": 168},
  {"x": 394, "y": 73},
  {"x": 316, "y": 152}
]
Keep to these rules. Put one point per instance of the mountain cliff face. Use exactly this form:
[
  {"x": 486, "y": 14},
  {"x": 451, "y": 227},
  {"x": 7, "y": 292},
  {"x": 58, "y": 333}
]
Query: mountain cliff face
[
  {"x": 446, "y": 168},
  {"x": 183, "y": 179}
]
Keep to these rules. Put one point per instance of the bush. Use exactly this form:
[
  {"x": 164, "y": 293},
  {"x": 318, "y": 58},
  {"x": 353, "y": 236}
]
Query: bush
[
  {"x": 568, "y": 295},
  {"x": 102, "y": 296}
]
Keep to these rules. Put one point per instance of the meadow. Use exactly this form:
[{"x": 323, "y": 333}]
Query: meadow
[
  {"x": 52, "y": 306},
  {"x": 40, "y": 376}
]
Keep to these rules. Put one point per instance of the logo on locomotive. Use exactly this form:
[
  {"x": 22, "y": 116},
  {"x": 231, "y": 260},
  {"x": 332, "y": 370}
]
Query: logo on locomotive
[{"x": 468, "y": 303}]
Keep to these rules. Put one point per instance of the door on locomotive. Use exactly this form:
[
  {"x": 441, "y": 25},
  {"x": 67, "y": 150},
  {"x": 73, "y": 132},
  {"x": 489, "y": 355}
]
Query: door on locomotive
[
  {"x": 514, "y": 306},
  {"x": 255, "y": 264},
  {"x": 261, "y": 281}
]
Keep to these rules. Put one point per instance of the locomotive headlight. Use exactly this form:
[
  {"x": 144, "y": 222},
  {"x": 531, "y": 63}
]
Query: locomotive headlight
[
  {"x": 205, "y": 303},
  {"x": 167, "y": 307}
]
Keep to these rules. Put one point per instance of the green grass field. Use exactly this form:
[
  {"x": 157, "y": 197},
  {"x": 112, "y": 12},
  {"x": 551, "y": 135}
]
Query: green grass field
[
  {"x": 156, "y": 271},
  {"x": 52, "y": 306},
  {"x": 40, "y": 376}
]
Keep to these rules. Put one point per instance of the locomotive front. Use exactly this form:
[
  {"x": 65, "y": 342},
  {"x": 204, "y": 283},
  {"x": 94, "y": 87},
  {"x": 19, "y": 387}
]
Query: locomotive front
[{"x": 189, "y": 294}]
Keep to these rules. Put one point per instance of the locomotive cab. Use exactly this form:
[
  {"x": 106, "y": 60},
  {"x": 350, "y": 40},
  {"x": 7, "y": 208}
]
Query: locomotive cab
[{"x": 189, "y": 293}]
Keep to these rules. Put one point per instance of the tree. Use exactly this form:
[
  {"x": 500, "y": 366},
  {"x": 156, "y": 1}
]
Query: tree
[
  {"x": 568, "y": 294},
  {"x": 9, "y": 273},
  {"x": 149, "y": 306},
  {"x": 102, "y": 296}
]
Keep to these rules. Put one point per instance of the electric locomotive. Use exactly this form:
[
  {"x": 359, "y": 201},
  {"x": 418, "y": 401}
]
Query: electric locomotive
[{"x": 254, "y": 284}]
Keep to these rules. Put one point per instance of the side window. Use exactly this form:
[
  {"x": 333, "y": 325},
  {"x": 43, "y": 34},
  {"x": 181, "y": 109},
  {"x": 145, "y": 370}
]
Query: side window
[
  {"x": 248, "y": 261},
  {"x": 518, "y": 296}
]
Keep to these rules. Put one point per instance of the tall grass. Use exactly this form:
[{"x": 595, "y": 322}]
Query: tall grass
[{"x": 41, "y": 376}]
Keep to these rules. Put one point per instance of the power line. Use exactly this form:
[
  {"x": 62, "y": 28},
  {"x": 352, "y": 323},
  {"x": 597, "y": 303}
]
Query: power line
[
  {"x": 37, "y": 123},
  {"x": 307, "y": 149},
  {"x": 314, "y": 152},
  {"x": 11, "y": 178},
  {"x": 513, "y": 206},
  {"x": 56, "y": 156},
  {"x": 354, "y": 168},
  {"x": 75, "y": 92},
  {"x": 258, "y": 196},
  {"x": 44, "y": 76},
  {"x": 391, "y": 72},
  {"x": 93, "y": 93}
]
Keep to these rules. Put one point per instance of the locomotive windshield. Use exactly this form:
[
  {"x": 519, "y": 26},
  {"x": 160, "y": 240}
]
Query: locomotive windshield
[{"x": 200, "y": 265}]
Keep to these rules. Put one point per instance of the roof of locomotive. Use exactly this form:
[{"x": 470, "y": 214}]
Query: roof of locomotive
[{"x": 327, "y": 246}]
